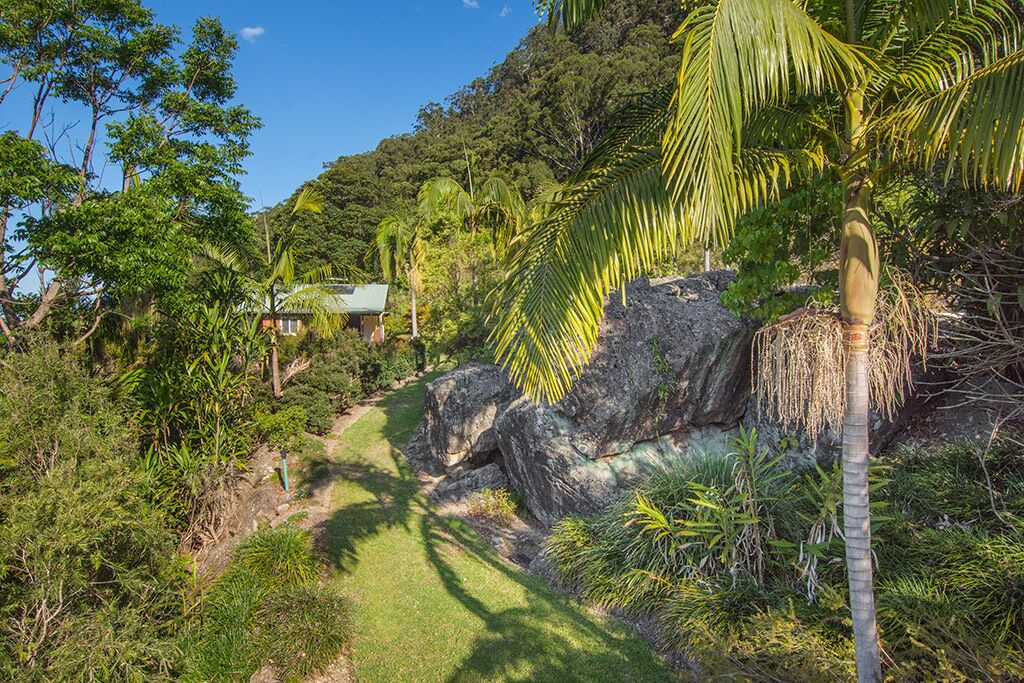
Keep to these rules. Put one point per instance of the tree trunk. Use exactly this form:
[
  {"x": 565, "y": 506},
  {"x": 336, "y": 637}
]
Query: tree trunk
[
  {"x": 275, "y": 370},
  {"x": 415, "y": 330},
  {"x": 858, "y": 275},
  {"x": 707, "y": 260},
  {"x": 856, "y": 510}
]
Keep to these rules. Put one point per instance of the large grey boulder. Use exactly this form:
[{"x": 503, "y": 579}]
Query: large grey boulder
[
  {"x": 668, "y": 383},
  {"x": 462, "y": 484},
  {"x": 670, "y": 375},
  {"x": 459, "y": 412}
]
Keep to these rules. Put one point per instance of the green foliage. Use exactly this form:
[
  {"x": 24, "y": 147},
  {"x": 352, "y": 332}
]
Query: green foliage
[
  {"x": 497, "y": 505},
  {"x": 460, "y": 271},
  {"x": 792, "y": 241},
  {"x": 282, "y": 428},
  {"x": 343, "y": 369},
  {"x": 267, "y": 608},
  {"x": 767, "y": 97},
  {"x": 128, "y": 94},
  {"x": 89, "y": 577},
  {"x": 195, "y": 399},
  {"x": 950, "y": 572},
  {"x": 316, "y": 405},
  {"x": 963, "y": 484}
]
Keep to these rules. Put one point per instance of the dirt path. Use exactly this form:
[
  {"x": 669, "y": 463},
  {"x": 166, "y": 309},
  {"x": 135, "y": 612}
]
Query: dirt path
[{"x": 318, "y": 506}]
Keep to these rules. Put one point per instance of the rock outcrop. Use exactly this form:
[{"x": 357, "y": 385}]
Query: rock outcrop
[
  {"x": 671, "y": 372},
  {"x": 459, "y": 413},
  {"x": 669, "y": 377},
  {"x": 669, "y": 382}
]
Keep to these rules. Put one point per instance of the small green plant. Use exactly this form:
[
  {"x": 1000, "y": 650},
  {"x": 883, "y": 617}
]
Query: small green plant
[
  {"x": 742, "y": 563},
  {"x": 267, "y": 608},
  {"x": 663, "y": 370},
  {"x": 788, "y": 441},
  {"x": 281, "y": 429},
  {"x": 497, "y": 505}
]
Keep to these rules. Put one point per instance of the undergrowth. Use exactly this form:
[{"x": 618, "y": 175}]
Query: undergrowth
[
  {"x": 268, "y": 608},
  {"x": 742, "y": 565},
  {"x": 497, "y": 505}
]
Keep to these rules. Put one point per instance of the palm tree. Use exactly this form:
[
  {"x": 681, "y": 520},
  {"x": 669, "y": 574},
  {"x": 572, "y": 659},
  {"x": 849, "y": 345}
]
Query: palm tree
[
  {"x": 401, "y": 251},
  {"x": 769, "y": 93},
  {"x": 271, "y": 286},
  {"x": 496, "y": 205}
]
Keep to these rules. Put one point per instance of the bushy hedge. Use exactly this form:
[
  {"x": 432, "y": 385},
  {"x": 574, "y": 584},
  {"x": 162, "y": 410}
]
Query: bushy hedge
[
  {"x": 343, "y": 370},
  {"x": 766, "y": 599},
  {"x": 90, "y": 579}
]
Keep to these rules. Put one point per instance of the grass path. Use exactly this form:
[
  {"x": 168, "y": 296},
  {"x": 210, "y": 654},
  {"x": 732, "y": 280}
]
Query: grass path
[{"x": 431, "y": 601}]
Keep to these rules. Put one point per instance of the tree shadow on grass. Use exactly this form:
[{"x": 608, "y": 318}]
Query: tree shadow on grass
[
  {"x": 523, "y": 643},
  {"x": 390, "y": 482}
]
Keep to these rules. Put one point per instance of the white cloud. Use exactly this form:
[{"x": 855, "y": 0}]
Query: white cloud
[
  {"x": 251, "y": 33},
  {"x": 505, "y": 11},
  {"x": 471, "y": 4}
]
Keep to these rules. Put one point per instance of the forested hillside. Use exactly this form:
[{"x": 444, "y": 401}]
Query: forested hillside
[{"x": 534, "y": 118}]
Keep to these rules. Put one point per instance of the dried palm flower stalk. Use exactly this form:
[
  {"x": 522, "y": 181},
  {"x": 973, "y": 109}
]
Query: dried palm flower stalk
[{"x": 800, "y": 369}]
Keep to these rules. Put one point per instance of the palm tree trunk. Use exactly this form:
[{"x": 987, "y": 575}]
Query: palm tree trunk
[
  {"x": 707, "y": 260},
  {"x": 856, "y": 510},
  {"x": 858, "y": 269},
  {"x": 415, "y": 330},
  {"x": 275, "y": 369}
]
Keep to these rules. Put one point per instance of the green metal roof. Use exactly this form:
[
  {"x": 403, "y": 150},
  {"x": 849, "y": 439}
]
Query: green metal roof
[
  {"x": 361, "y": 299},
  {"x": 353, "y": 299}
]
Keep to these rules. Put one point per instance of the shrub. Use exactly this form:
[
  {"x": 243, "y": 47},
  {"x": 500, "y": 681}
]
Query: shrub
[
  {"x": 743, "y": 565},
  {"x": 497, "y": 505},
  {"x": 267, "y": 608},
  {"x": 281, "y": 428},
  {"x": 89, "y": 577},
  {"x": 343, "y": 370},
  {"x": 382, "y": 365},
  {"x": 315, "y": 404},
  {"x": 195, "y": 399}
]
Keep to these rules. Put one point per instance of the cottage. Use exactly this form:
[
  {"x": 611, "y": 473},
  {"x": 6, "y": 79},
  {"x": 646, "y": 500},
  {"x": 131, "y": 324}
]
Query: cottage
[{"x": 364, "y": 305}]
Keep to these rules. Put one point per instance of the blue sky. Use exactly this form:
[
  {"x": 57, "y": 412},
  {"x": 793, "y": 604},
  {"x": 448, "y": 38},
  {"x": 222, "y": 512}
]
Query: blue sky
[{"x": 332, "y": 78}]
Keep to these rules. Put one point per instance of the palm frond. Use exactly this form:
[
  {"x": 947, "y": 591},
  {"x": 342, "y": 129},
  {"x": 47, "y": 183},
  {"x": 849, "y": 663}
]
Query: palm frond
[
  {"x": 439, "y": 196},
  {"x": 315, "y": 276},
  {"x": 977, "y": 123},
  {"x": 569, "y": 13},
  {"x": 641, "y": 121},
  {"x": 309, "y": 199},
  {"x": 281, "y": 268},
  {"x": 324, "y": 310},
  {"x": 963, "y": 37},
  {"x": 891, "y": 22},
  {"x": 393, "y": 236},
  {"x": 400, "y": 248},
  {"x": 740, "y": 56},
  {"x": 232, "y": 258},
  {"x": 610, "y": 227},
  {"x": 613, "y": 222}
]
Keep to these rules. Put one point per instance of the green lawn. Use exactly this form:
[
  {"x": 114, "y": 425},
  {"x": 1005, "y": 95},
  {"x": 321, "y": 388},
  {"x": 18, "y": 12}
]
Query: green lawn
[{"x": 431, "y": 601}]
